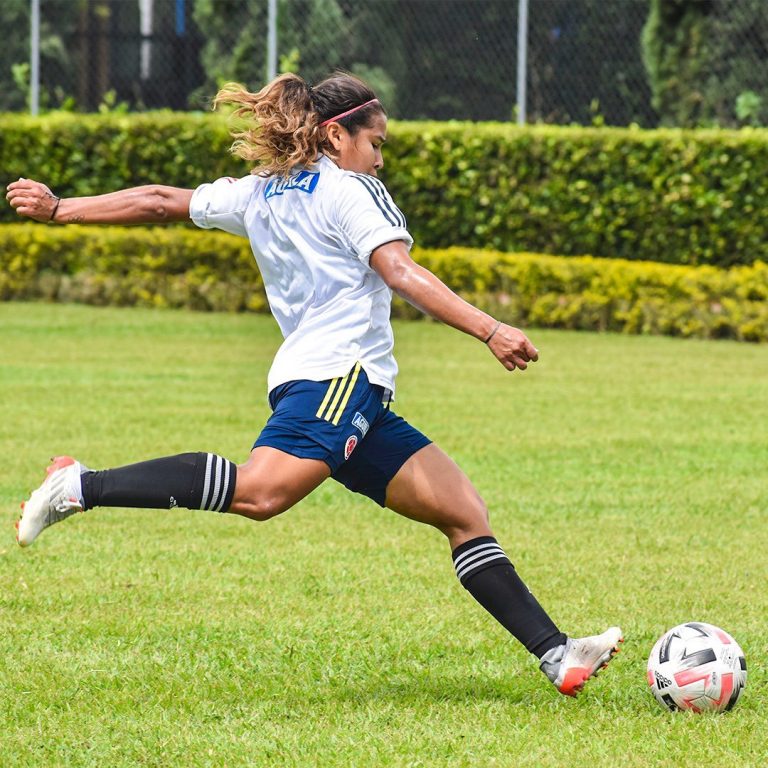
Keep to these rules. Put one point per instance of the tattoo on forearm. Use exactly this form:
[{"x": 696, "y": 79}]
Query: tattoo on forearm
[{"x": 75, "y": 217}]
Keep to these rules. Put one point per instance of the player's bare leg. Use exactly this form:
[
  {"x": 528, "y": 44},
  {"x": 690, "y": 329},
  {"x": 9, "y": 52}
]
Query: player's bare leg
[{"x": 272, "y": 481}]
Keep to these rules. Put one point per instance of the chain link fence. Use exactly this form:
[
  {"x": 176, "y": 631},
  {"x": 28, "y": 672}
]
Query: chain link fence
[{"x": 427, "y": 59}]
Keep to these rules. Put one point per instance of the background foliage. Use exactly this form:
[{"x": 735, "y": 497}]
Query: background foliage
[
  {"x": 707, "y": 62},
  {"x": 689, "y": 197},
  {"x": 178, "y": 267},
  {"x": 674, "y": 62}
]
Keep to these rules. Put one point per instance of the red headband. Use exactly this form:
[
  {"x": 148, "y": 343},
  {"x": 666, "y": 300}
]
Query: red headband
[{"x": 348, "y": 112}]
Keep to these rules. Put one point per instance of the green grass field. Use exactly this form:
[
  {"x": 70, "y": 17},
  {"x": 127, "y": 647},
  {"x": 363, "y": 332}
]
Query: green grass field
[{"x": 626, "y": 479}]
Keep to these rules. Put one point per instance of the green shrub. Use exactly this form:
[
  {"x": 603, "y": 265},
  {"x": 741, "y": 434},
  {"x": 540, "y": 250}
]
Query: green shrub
[
  {"x": 161, "y": 267},
  {"x": 688, "y": 197},
  {"x": 180, "y": 267}
]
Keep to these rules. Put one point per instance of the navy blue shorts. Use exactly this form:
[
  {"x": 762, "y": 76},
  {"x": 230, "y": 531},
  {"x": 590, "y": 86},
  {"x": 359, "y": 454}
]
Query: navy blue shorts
[{"x": 345, "y": 422}]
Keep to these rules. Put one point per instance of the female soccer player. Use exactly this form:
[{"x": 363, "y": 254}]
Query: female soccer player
[{"x": 331, "y": 246}]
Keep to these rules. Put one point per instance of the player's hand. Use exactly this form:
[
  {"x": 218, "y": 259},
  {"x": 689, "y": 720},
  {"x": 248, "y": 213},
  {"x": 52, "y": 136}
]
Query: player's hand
[
  {"x": 31, "y": 198},
  {"x": 512, "y": 348}
]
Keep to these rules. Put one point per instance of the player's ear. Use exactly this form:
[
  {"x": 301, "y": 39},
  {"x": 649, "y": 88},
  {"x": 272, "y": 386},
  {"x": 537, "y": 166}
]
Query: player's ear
[{"x": 335, "y": 135}]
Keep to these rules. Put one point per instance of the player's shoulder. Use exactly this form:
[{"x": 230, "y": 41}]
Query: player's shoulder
[
  {"x": 232, "y": 185},
  {"x": 348, "y": 179},
  {"x": 364, "y": 186},
  {"x": 247, "y": 180},
  {"x": 366, "y": 180},
  {"x": 371, "y": 192}
]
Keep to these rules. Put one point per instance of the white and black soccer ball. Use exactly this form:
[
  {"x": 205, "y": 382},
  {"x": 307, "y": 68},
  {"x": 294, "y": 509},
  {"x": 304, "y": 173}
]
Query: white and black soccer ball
[{"x": 698, "y": 667}]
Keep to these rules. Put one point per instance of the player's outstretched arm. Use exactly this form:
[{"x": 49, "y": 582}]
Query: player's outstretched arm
[
  {"x": 419, "y": 287},
  {"x": 149, "y": 204}
]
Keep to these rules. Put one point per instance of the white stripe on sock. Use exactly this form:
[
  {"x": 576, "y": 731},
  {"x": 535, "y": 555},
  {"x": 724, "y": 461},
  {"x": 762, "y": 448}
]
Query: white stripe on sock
[
  {"x": 471, "y": 567},
  {"x": 216, "y": 483},
  {"x": 206, "y": 486},
  {"x": 475, "y": 552},
  {"x": 224, "y": 486}
]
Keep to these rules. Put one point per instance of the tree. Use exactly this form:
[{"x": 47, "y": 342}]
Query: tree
[
  {"x": 57, "y": 66},
  {"x": 312, "y": 38},
  {"x": 707, "y": 60},
  {"x": 674, "y": 53},
  {"x": 14, "y": 55},
  {"x": 585, "y": 62}
]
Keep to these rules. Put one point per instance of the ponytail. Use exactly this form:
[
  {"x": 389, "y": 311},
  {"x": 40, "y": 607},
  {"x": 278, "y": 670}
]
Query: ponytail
[
  {"x": 285, "y": 120},
  {"x": 282, "y": 128}
]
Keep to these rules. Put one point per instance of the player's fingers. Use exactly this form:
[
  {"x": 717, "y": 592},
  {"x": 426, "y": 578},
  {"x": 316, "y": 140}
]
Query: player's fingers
[
  {"x": 533, "y": 353},
  {"x": 21, "y": 183},
  {"x": 26, "y": 208},
  {"x": 20, "y": 200},
  {"x": 21, "y": 192}
]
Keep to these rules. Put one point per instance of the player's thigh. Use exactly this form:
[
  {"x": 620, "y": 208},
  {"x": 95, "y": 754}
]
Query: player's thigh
[
  {"x": 272, "y": 481},
  {"x": 431, "y": 488}
]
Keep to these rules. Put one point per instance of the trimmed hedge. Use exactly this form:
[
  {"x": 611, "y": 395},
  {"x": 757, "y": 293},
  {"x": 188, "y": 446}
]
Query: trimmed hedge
[
  {"x": 180, "y": 267},
  {"x": 689, "y": 197}
]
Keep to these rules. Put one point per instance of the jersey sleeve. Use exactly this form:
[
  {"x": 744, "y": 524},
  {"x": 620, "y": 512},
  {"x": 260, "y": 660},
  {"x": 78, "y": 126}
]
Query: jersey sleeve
[
  {"x": 222, "y": 204},
  {"x": 367, "y": 215}
]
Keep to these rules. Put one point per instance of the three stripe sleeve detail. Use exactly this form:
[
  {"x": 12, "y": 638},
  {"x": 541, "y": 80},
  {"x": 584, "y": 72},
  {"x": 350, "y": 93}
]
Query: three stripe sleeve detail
[{"x": 381, "y": 197}]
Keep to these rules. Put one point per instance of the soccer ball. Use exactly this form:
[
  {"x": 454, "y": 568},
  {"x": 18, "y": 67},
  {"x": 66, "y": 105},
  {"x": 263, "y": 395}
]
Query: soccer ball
[{"x": 697, "y": 666}]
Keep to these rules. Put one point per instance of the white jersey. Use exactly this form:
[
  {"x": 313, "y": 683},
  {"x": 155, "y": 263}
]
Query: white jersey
[{"x": 312, "y": 236}]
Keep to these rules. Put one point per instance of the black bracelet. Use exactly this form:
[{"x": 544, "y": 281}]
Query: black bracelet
[
  {"x": 55, "y": 208},
  {"x": 493, "y": 332}
]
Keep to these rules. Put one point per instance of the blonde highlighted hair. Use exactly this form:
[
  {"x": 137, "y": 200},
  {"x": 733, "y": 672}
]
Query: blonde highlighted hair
[{"x": 283, "y": 120}]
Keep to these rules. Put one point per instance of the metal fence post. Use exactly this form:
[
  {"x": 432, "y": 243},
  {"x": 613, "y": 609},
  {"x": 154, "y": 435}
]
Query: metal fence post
[
  {"x": 272, "y": 41},
  {"x": 522, "y": 59},
  {"x": 34, "y": 58}
]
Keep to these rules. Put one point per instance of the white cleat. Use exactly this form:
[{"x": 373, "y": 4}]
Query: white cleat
[
  {"x": 569, "y": 666},
  {"x": 56, "y": 499}
]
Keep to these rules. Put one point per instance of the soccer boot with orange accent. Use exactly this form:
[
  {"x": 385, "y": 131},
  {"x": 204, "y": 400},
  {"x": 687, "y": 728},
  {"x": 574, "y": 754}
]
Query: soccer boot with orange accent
[
  {"x": 569, "y": 666},
  {"x": 56, "y": 499}
]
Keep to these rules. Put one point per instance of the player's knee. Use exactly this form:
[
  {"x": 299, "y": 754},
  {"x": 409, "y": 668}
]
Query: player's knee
[
  {"x": 468, "y": 522},
  {"x": 255, "y": 499},
  {"x": 265, "y": 508},
  {"x": 260, "y": 507}
]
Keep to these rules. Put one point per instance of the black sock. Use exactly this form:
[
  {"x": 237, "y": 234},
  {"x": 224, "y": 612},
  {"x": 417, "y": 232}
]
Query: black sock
[
  {"x": 191, "y": 480},
  {"x": 486, "y": 573}
]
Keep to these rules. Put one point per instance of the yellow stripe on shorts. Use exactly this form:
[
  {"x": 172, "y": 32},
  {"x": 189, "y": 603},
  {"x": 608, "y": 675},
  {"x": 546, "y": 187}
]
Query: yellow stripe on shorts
[
  {"x": 327, "y": 397},
  {"x": 345, "y": 399},
  {"x": 337, "y": 396}
]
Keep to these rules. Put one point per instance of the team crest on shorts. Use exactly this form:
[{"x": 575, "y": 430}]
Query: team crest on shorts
[{"x": 349, "y": 446}]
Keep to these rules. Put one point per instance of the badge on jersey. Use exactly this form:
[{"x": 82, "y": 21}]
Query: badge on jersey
[{"x": 306, "y": 181}]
